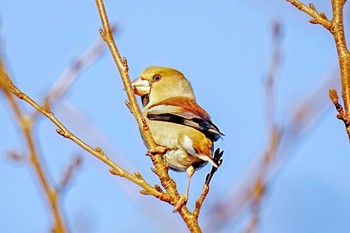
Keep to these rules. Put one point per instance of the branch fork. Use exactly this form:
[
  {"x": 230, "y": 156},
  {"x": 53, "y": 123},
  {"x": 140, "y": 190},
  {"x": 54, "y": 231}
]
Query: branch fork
[
  {"x": 171, "y": 195},
  {"x": 336, "y": 28}
]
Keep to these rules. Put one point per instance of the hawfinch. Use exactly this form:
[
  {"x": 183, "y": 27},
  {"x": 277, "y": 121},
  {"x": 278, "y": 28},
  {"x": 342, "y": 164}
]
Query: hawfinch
[{"x": 176, "y": 121}]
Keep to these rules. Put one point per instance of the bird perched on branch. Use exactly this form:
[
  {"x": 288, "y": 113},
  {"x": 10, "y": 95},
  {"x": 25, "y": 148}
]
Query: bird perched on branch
[{"x": 176, "y": 121}]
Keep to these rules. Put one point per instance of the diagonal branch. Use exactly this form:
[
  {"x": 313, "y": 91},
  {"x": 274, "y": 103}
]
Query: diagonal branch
[
  {"x": 26, "y": 125},
  {"x": 218, "y": 160},
  {"x": 97, "y": 152},
  {"x": 68, "y": 174},
  {"x": 69, "y": 75},
  {"x": 161, "y": 169},
  {"x": 317, "y": 18},
  {"x": 106, "y": 34}
]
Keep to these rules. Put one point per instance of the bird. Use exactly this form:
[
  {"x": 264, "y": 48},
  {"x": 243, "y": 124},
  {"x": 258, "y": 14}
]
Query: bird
[{"x": 177, "y": 123}]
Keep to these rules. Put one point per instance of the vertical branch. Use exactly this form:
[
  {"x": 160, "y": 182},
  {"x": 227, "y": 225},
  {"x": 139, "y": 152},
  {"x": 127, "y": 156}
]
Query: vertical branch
[
  {"x": 161, "y": 168},
  {"x": 305, "y": 115},
  {"x": 343, "y": 56},
  {"x": 336, "y": 27},
  {"x": 272, "y": 76},
  {"x": 259, "y": 185},
  {"x": 106, "y": 34},
  {"x": 26, "y": 125}
]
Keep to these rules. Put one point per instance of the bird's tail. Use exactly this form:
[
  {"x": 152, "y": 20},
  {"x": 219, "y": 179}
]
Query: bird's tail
[{"x": 217, "y": 160}]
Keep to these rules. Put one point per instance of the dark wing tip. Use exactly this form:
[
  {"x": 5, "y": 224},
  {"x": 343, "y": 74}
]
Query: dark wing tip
[{"x": 210, "y": 130}]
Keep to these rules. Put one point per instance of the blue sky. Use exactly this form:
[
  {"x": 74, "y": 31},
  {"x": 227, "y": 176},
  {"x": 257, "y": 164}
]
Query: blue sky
[{"x": 224, "y": 49}]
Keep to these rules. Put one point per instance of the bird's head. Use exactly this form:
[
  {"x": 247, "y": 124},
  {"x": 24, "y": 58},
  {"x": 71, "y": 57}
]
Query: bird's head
[{"x": 157, "y": 83}]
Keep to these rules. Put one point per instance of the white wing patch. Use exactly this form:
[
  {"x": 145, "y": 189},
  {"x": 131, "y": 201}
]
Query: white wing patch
[
  {"x": 164, "y": 108},
  {"x": 207, "y": 159},
  {"x": 188, "y": 145}
]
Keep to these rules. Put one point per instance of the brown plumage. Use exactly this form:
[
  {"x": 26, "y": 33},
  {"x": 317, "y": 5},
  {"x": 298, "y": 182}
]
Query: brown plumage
[{"x": 176, "y": 121}]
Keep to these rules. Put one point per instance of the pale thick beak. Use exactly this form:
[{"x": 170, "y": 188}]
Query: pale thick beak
[{"x": 141, "y": 86}]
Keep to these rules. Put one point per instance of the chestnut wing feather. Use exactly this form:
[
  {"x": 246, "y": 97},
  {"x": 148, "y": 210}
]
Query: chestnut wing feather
[{"x": 186, "y": 112}]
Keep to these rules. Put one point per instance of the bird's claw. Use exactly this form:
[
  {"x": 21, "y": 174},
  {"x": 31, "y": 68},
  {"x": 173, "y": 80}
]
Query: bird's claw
[
  {"x": 158, "y": 150},
  {"x": 181, "y": 202}
]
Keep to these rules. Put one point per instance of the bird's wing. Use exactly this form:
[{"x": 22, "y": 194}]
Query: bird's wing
[{"x": 187, "y": 112}]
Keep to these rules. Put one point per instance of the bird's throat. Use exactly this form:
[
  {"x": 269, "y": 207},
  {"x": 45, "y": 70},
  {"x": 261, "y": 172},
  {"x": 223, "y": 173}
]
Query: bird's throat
[{"x": 145, "y": 100}]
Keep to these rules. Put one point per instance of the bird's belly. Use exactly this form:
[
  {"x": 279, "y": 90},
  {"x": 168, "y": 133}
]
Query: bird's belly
[
  {"x": 168, "y": 135},
  {"x": 179, "y": 160},
  {"x": 165, "y": 134}
]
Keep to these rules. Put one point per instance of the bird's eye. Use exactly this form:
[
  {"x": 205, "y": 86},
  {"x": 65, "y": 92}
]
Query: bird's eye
[{"x": 157, "y": 77}]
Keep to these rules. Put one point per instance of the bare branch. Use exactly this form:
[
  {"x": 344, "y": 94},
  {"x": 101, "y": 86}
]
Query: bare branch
[
  {"x": 161, "y": 168},
  {"x": 15, "y": 156},
  {"x": 70, "y": 74},
  {"x": 336, "y": 27},
  {"x": 317, "y": 18},
  {"x": 34, "y": 158},
  {"x": 63, "y": 131},
  {"x": 333, "y": 95},
  {"x": 122, "y": 66},
  {"x": 68, "y": 174}
]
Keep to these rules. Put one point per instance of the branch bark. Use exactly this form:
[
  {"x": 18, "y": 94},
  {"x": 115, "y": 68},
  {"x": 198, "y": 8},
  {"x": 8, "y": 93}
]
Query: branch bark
[
  {"x": 336, "y": 28},
  {"x": 8, "y": 86},
  {"x": 34, "y": 158},
  {"x": 171, "y": 194},
  {"x": 161, "y": 169}
]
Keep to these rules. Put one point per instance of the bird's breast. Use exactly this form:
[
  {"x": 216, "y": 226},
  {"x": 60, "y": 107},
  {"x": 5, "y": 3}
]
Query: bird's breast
[
  {"x": 172, "y": 136},
  {"x": 165, "y": 133}
]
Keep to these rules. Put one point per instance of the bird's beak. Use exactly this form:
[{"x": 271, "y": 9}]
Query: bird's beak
[{"x": 141, "y": 86}]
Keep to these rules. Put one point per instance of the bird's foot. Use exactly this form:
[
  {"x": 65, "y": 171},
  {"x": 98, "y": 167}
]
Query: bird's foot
[
  {"x": 182, "y": 201},
  {"x": 158, "y": 150}
]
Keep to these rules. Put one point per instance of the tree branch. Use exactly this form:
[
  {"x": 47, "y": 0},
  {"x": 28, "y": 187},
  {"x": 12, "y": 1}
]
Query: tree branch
[
  {"x": 68, "y": 174},
  {"x": 106, "y": 34},
  {"x": 70, "y": 74},
  {"x": 317, "y": 18},
  {"x": 333, "y": 95},
  {"x": 63, "y": 131},
  {"x": 344, "y": 58},
  {"x": 336, "y": 27},
  {"x": 161, "y": 168},
  {"x": 26, "y": 125}
]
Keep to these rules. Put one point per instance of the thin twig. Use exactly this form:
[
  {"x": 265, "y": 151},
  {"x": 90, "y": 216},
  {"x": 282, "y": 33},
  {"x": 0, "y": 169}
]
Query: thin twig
[
  {"x": 272, "y": 76},
  {"x": 317, "y": 18},
  {"x": 333, "y": 95},
  {"x": 26, "y": 125},
  {"x": 200, "y": 200},
  {"x": 97, "y": 152},
  {"x": 15, "y": 156},
  {"x": 68, "y": 174},
  {"x": 336, "y": 28},
  {"x": 70, "y": 74},
  {"x": 282, "y": 138},
  {"x": 303, "y": 118},
  {"x": 257, "y": 192},
  {"x": 199, "y": 203}
]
